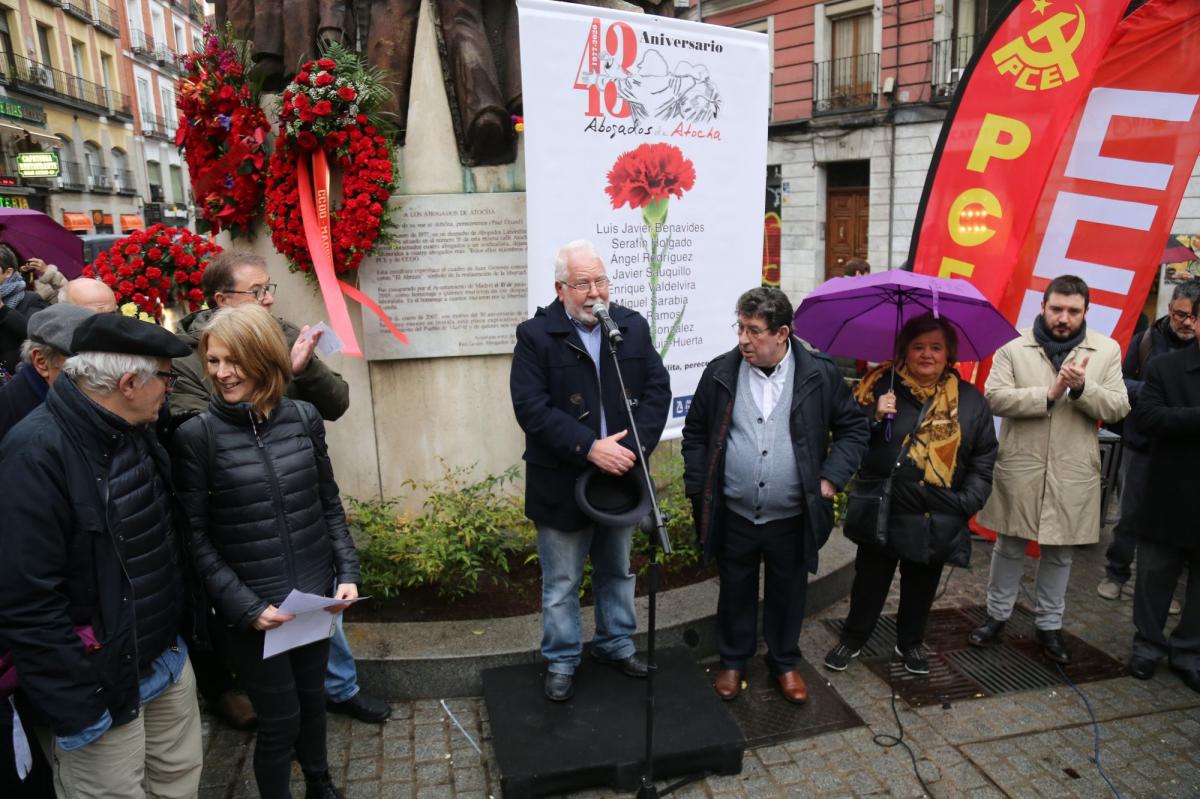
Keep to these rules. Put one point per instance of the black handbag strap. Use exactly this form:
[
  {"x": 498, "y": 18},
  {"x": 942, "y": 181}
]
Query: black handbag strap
[{"x": 908, "y": 443}]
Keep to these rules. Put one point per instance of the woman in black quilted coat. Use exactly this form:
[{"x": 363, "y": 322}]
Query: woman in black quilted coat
[{"x": 266, "y": 518}]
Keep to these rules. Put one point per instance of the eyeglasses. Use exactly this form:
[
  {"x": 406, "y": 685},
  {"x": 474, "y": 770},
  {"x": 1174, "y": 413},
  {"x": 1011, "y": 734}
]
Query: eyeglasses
[
  {"x": 753, "y": 332},
  {"x": 257, "y": 293},
  {"x": 586, "y": 285},
  {"x": 1183, "y": 316},
  {"x": 169, "y": 378}
]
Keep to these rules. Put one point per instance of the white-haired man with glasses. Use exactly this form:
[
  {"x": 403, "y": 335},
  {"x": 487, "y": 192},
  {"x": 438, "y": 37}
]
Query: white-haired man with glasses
[
  {"x": 92, "y": 592},
  {"x": 567, "y": 400}
]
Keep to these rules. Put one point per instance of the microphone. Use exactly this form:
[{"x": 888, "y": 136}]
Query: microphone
[{"x": 600, "y": 311}]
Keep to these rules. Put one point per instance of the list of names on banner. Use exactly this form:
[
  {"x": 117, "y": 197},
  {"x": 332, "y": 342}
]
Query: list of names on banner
[
  {"x": 629, "y": 269},
  {"x": 453, "y": 279}
]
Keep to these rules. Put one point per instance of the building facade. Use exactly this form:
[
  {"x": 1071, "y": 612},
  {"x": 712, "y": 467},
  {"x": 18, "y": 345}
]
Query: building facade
[
  {"x": 85, "y": 132},
  {"x": 860, "y": 91}
]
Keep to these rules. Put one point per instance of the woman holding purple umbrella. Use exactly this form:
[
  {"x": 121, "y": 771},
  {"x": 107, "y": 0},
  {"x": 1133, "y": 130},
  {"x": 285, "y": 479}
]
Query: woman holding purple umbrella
[{"x": 932, "y": 434}]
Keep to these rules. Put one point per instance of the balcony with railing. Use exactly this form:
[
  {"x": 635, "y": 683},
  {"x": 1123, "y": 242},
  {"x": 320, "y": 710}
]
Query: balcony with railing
[
  {"x": 124, "y": 181},
  {"x": 142, "y": 44},
  {"x": 166, "y": 57},
  {"x": 196, "y": 11},
  {"x": 99, "y": 179},
  {"x": 846, "y": 84},
  {"x": 950, "y": 58},
  {"x": 78, "y": 9},
  {"x": 156, "y": 193},
  {"x": 106, "y": 19},
  {"x": 157, "y": 127},
  {"x": 72, "y": 177},
  {"x": 55, "y": 84}
]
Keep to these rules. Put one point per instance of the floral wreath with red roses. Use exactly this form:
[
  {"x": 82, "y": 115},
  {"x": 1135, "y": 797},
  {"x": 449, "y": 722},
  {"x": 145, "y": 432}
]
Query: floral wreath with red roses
[
  {"x": 332, "y": 105},
  {"x": 154, "y": 268},
  {"x": 222, "y": 135}
]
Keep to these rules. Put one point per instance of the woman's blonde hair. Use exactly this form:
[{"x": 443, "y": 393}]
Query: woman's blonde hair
[{"x": 256, "y": 343}]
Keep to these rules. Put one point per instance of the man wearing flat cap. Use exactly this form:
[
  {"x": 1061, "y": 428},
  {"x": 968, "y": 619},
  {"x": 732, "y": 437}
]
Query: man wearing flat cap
[
  {"x": 91, "y": 585},
  {"x": 567, "y": 400},
  {"x": 42, "y": 356}
]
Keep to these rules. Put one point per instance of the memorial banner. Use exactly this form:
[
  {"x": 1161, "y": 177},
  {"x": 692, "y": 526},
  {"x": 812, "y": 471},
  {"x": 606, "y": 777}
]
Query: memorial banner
[{"x": 648, "y": 137}]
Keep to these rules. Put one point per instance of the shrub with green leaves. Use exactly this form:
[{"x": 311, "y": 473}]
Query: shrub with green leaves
[{"x": 465, "y": 530}]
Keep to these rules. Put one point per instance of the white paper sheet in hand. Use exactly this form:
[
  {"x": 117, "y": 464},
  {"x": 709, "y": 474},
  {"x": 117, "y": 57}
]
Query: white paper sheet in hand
[{"x": 312, "y": 622}]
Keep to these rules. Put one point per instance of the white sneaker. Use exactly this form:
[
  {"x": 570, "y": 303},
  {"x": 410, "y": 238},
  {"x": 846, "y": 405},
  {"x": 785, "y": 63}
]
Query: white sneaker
[{"x": 1109, "y": 589}]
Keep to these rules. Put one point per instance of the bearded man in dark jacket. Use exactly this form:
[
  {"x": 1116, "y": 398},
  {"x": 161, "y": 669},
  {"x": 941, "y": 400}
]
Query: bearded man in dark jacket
[
  {"x": 91, "y": 584},
  {"x": 772, "y": 434}
]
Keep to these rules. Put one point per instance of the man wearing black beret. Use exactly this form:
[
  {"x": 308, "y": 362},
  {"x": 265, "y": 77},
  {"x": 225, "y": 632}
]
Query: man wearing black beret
[{"x": 91, "y": 585}]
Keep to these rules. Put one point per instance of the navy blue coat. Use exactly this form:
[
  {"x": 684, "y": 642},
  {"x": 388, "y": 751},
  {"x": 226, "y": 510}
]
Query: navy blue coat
[
  {"x": 556, "y": 399},
  {"x": 19, "y": 396},
  {"x": 821, "y": 407}
]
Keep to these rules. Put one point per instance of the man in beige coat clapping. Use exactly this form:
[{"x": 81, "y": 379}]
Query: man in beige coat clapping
[{"x": 1052, "y": 386}]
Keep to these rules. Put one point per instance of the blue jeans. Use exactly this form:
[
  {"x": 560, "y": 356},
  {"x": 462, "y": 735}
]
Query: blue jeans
[
  {"x": 562, "y": 555},
  {"x": 341, "y": 675}
]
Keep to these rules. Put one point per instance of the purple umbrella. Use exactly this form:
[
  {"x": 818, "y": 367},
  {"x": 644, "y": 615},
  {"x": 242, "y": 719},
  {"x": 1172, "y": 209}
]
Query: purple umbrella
[
  {"x": 859, "y": 317},
  {"x": 34, "y": 235}
]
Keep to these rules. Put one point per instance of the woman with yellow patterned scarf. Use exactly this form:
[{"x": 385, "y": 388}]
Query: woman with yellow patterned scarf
[{"x": 941, "y": 471}]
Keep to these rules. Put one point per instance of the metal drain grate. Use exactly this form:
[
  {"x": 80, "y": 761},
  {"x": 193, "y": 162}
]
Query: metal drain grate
[
  {"x": 958, "y": 671},
  {"x": 765, "y": 717}
]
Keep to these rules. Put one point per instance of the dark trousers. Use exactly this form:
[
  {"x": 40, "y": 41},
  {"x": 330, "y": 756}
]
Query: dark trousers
[
  {"x": 213, "y": 663},
  {"x": 288, "y": 694},
  {"x": 874, "y": 568},
  {"x": 1158, "y": 570},
  {"x": 779, "y": 546},
  {"x": 1124, "y": 541}
]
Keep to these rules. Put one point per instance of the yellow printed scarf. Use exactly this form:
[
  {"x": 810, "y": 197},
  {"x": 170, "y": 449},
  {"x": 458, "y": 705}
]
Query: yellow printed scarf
[{"x": 935, "y": 448}]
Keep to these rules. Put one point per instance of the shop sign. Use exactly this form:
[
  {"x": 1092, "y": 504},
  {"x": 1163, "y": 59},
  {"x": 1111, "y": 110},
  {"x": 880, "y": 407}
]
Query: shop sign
[
  {"x": 13, "y": 202},
  {"x": 22, "y": 111},
  {"x": 38, "y": 165}
]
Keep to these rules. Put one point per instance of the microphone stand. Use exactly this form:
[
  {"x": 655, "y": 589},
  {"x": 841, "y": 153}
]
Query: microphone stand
[{"x": 658, "y": 539}]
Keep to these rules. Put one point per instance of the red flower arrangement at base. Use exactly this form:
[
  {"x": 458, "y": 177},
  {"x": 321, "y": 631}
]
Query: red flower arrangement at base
[
  {"x": 330, "y": 106},
  {"x": 222, "y": 134},
  {"x": 154, "y": 268}
]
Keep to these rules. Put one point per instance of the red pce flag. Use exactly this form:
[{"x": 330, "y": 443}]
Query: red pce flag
[
  {"x": 1120, "y": 173},
  {"x": 1014, "y": 104}
]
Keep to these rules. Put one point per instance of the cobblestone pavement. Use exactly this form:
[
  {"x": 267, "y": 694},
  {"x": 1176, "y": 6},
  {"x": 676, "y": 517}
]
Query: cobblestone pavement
[{"x": 1029, "y": 744}]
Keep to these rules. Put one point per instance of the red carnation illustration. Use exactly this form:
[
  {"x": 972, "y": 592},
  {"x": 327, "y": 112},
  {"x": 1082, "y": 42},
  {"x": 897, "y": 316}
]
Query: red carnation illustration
[
  {"x": 648, "y": 173},
  {"x": 646, "y": 177}
]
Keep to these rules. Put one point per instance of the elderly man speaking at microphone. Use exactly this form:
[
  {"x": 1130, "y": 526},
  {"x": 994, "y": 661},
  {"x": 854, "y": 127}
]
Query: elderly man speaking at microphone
[{"x": 567, "y": 399}]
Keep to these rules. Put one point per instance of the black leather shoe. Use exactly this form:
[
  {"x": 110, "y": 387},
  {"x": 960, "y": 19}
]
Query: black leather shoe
[
  {"x": 1190, "y": 677},
  {"x": 559, "y": 687},
  {"x": 987, "y": 633},
  {"x": 634, "y": 666},
  {"x": 1053, "y": 646},
  {"x": 362, "y": 706},
  {"x": 1142, "y": 668}
]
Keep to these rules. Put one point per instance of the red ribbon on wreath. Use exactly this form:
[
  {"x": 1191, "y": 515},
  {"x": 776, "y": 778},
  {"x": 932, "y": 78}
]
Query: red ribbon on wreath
[{"x": 314, "y": 210}]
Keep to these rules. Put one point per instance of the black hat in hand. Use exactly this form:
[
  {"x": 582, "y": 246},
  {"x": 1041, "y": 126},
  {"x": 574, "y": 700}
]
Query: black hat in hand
[{"x": 612, "y": 500}]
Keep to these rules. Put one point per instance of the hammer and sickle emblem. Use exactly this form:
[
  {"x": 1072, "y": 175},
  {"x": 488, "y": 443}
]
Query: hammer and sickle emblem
[{"x": 1057, "y": 52}]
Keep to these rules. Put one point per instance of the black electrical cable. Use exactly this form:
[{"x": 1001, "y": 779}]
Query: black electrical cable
[
  {"x": 1087, "y": 704},
  {"x": 887, "y": 741}
]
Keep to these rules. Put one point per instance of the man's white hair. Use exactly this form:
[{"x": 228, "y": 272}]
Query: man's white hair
[
  {"x": 29, "y": 347},
  {"x": 564, "y": 253},
  {"x": 100, "y": 372}
]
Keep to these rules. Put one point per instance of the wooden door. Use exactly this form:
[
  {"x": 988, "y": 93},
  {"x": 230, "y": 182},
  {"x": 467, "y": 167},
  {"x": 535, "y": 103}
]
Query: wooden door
[{"x": 846, "y": 223}]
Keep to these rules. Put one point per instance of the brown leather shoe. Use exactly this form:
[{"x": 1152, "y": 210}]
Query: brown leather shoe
[
  {"x": 728, "y": 684},
  {"x": 792, "y": 686},
  {"x": 235, "y": 709}
]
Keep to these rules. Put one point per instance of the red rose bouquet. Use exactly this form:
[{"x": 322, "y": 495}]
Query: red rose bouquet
[
  {"x": 222, "y": 132},
  {"x": 155, "y": 267},
  {"x": 331, "y": 106},
  {"x": 646, "y": 177}
]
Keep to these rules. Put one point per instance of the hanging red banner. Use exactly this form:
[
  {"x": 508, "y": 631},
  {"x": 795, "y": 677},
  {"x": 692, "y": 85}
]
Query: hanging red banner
[
  {"x": 314, "y": 188},
  {"x": 1014, "y": 104},
  {"x": 1120, "y": 174}
]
